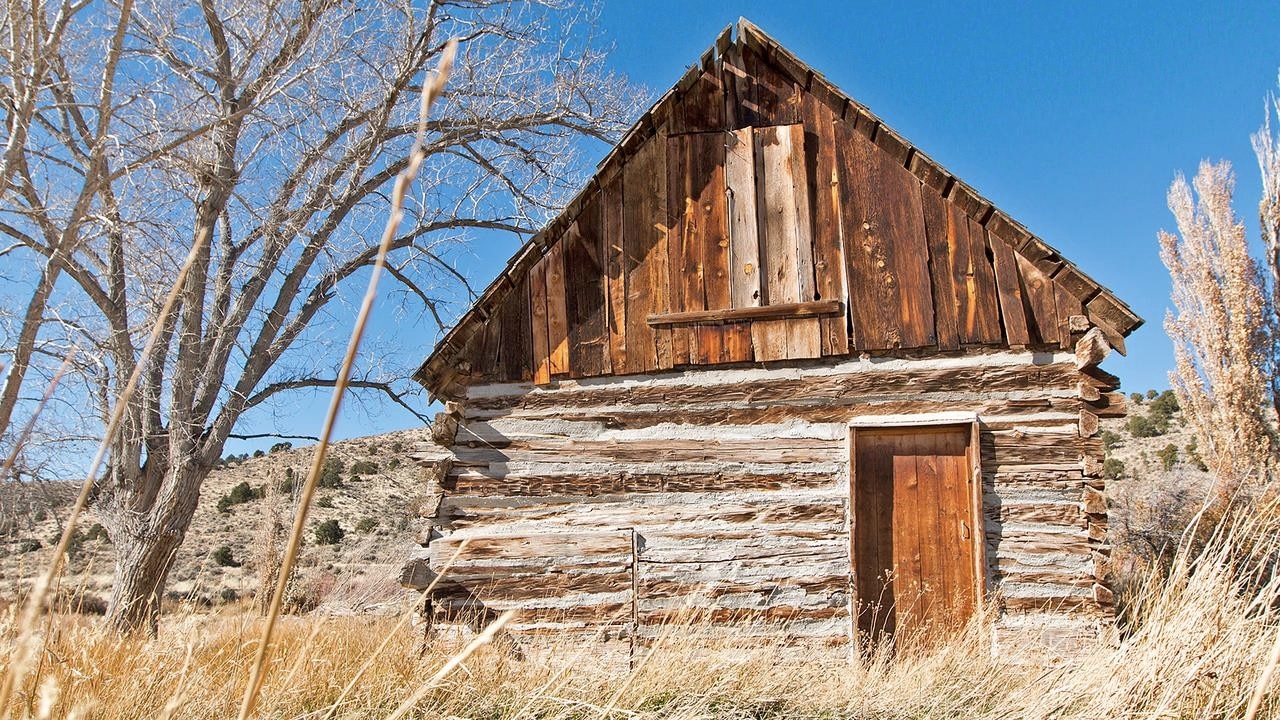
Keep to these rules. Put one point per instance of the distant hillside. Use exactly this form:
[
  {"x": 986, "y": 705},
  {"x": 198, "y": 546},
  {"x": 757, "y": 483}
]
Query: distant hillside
[{"x": 372, "y": 503}]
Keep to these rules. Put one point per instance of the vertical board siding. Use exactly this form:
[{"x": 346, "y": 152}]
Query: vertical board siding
[
  {"x": 644, "y": 252},
  {"x": 615, "y": 273},
  {"x": 557, "y": 313},
  {"x": 585, "y": 278},
  {"x": 516, "y": 333},
  {"x": 538, "y": 311},
  {"x": 823, "y": 180},
  {"x": 753, "y": 191},
  {"x": 885, "y": 250},
  {"x": 744, "y": 242},
  {"x": 1013, "y": 311}
]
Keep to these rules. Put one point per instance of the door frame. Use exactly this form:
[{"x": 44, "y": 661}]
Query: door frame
[{"x": 946, "y": 419}]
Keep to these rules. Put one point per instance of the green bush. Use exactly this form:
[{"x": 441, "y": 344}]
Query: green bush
[
  {"x": 1139, "y": 426},
  {"x": 366, "y": 525},
  {"x": 325, "y": 501},
  {"x": 1193, "y": 457},
  {"x": 397, "y": 447},
  {"x": 240, "y": 494},
  {"x": 97, "y": 532},
  {"x": 364, "y": 467},
  {"x": 259, "y": 453},
  {"x": 281, "y": 446},
  {"x": 223, "y": 557},
  {"x": 29, "y": 545},
  {"x": 1110, "y": 439},
  {"x": 1168, "y": 456},
  {"x": 1112, "y": 469},
  {"x": 329, "y": 532},
  {"x": 393, "y": 463},
  {"x": 1136, "y": 398},
  {"x": 1152, "y": 394},
  {"x": 331, "y": 474},
  {"x": 1162, "y": 409}
]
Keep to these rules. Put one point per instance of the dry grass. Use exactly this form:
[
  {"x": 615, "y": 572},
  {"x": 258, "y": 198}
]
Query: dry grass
[{"x": 1205, "y": 633}]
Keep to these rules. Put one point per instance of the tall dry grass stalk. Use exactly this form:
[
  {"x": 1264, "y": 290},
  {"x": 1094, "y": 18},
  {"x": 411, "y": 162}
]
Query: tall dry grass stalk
[
  {"x": 432, "y": 89},
  {"x": 1197, "y": 651}
]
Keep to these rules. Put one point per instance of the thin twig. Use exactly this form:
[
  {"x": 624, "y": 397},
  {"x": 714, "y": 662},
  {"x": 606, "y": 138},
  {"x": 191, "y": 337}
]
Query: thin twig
[
  {"x": 31, "y": 423},
  {"x": 430, "y": 92}
]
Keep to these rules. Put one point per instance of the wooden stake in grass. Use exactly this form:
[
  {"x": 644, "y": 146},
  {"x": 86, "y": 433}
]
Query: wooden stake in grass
[{"x": 431, "y": 91}]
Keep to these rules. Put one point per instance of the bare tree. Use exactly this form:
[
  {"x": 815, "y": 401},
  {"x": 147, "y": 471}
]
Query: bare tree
[
  {"x": 274, "y": 129},
  {"x": 1225, "y": 330}
]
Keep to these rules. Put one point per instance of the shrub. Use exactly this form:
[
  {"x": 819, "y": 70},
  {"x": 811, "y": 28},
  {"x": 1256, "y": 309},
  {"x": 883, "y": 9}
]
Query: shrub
[
  {"x": 366, "y": 525},
  {"x": 1110, "y": 439},
  {"x": 223, "y": 557},
  {"x": 397, "y": 447},
  {"x": 329, "y": 532},
  {"x": 331, "y": 474},
  {"x": 259, "y": 453},
  {"x": 239, "y": 495},
  {"x": 97, "y": 532},
  {"x": 1136, "y": 398},
  {"x": 281, "y": 446},
  {"x": 393, "y": 463},
  {"x": 228, "y": 595},
  {"x": 1112, "y": 469},
  {"x": 1139, "y": 426},
  {"x": 1194, "y": 458},
  {"x": 1168, "y": 456},
  {"x": 364, "y": 467},
  {"x": 29, "y": 545},
  {"x": 325, "y": 501},
  {"x": 1162, "y": 409},
  {"x": 1152, "y": 394}
]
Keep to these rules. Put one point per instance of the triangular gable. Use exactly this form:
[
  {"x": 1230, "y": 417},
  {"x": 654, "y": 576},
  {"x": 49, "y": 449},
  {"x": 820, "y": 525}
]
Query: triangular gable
[{"x": 756, "y": 213}]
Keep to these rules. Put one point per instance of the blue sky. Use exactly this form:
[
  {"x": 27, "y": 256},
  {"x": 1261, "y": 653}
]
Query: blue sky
[{"x": 1072, "y": 117}]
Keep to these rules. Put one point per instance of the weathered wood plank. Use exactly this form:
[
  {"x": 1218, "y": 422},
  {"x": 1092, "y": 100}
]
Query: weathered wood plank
[
  {"x": 1012, "y": 309},
  {"x": 1039, "y": 293},
  {"x": 538, "y": 310},
  {"x": 584, "y": 260},
  {"x": 644, "y": 219},
  {"x": 885, "y": 250},
  {"x": 517, "y": 329},
  {"x": 744, "y": 247},
  {"x": 615, "y": 274},
  {"x": 828, "y": 243},
  {"x": 781, "y": 210},
  {"x": 557, "y": 314},
  {"x": 786, "y": 311},
  {"x": 942, "y": 256}
]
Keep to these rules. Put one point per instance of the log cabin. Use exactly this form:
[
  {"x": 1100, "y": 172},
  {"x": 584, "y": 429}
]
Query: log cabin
[{"x": 776, "y": 365}]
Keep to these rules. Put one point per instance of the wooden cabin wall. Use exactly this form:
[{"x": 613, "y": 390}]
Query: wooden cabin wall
[
  {"x": 747, "y": 189},
  {"x": 731, "y": 489}
]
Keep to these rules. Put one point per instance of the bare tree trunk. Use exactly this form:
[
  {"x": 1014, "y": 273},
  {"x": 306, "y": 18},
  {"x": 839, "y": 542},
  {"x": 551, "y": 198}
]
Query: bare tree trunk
[
  {"x": 141, "y": 572},
  {"x": 148, "y": 522}
]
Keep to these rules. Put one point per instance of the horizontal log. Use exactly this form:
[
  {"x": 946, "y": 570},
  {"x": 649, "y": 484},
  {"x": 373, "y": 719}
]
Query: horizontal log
[
  {"x": 991, "y": 373},
  {"x": 763, "y": 312},
  {"x": 481, "y": 482}
]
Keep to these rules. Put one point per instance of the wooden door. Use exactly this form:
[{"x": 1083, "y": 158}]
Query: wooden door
[{"x": 915, "y": 531}]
